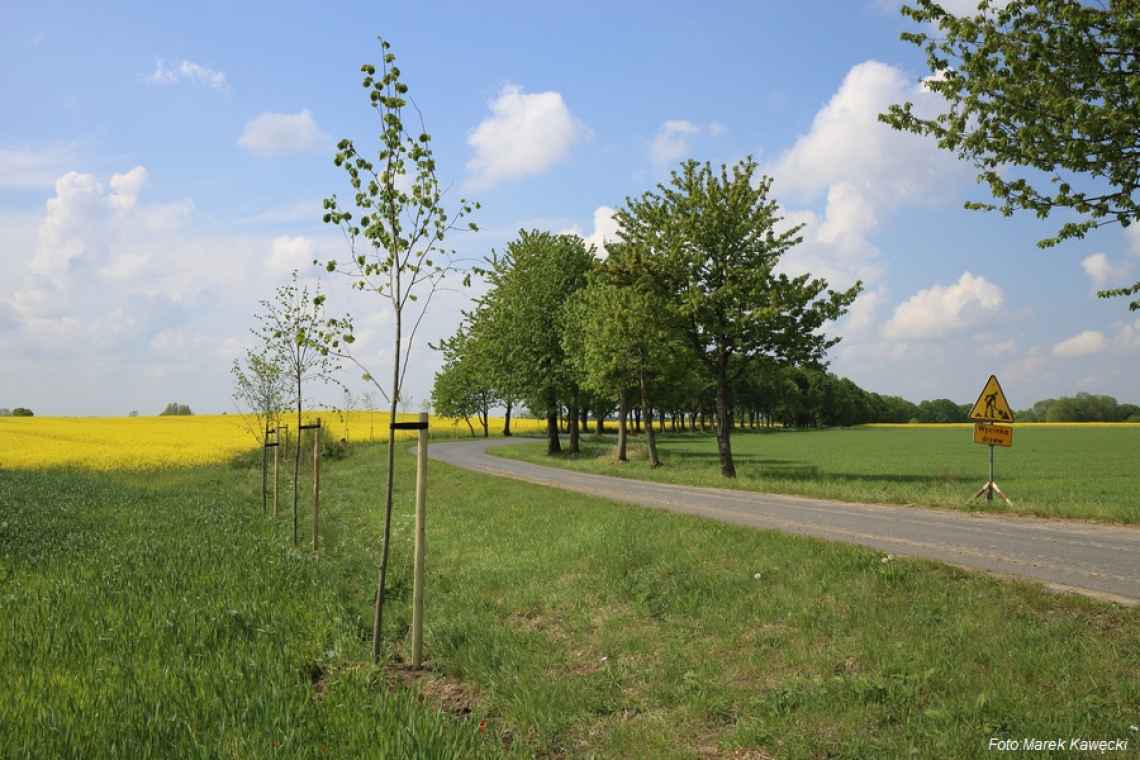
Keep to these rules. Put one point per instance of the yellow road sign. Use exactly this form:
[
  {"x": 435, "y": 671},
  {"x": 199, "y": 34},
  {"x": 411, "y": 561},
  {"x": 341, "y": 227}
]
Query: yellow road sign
[
  {"x": 992, "y": 405},
  {"x": 993, "y": 435}
]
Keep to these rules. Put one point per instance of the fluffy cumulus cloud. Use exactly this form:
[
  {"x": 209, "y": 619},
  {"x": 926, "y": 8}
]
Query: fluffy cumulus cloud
[
  {"x": 673, "y": 139},
  {"x": 1082, "y": 344},
  {"x": 110, "y": 301},
  {"x": 526, "y": 134},
  {"x": 93, "y": 227},
  {"x": 943, "y": 309},
  {"x": 860, "y": 171},
  {"x": 848, "y": 144},
  {"x": 187, "y": 71},
  {"x": 277, "y": 134},
  {"x": 1102, "y": 270},
  {"x": 605, "y": 229}
]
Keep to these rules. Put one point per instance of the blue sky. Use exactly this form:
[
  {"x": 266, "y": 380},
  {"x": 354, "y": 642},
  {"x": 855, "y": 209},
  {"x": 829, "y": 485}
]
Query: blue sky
[{"x": 162, "y": 165}]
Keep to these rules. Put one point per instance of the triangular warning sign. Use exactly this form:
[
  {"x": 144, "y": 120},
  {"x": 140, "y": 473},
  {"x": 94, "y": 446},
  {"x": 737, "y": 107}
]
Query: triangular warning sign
[{"x": 992, "y": 405}]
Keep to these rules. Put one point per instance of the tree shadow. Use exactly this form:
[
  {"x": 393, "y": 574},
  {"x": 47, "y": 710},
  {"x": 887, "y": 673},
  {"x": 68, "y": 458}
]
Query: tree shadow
[{"x": 813, "y": 473}]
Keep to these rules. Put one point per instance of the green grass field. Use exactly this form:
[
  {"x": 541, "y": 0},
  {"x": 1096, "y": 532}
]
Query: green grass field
[
  {"x": 1089, "y": 472},
  {"x": 162, "y": 615}
]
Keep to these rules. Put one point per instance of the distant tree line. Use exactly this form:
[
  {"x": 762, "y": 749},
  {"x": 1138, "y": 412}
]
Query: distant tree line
[
  {"x": 174, "y": 409},
  {"x": 19, "y": 411},
  {"x": 1084, "y": 407}
]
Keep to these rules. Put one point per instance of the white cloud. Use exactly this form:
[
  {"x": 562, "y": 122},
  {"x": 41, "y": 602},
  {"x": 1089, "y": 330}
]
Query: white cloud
[
  {"x": 125, "y": 291},
  {"x": 671, "y": 142},
  {"x": 1101, "y": 270},
  {"x": 943, "y": 309},
  {"x": 91, "y": 227},
  {"x": 187, "y": 71},
  {"x": 605, "y": 228},
  {"x": 276, "y": 134},
  {"x": 289, "y": 253},
  {"x": 1081, "y": 344},
  {"x": 25, "y": 167},
  {"x": 957, "y": 7},
  {"x": 836, "y": 246},
  {"x": 862, "y": 171},
  {"x": 848, "y": 144},
  {"x": 526, "y": 134}
]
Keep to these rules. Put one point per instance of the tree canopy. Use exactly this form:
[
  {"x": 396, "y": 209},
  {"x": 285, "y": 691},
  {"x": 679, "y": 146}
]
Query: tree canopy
[
  {"x": 710, "y": 242},
  {"x": 1046, "y": 85}
]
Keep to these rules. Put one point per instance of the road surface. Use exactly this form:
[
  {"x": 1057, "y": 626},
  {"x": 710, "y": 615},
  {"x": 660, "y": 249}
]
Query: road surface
[{"x": 1101, "y": 561}]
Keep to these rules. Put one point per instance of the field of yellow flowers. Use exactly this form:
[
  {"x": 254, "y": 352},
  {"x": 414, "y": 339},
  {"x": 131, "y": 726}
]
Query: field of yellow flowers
[{"x": 111, "y": 443}]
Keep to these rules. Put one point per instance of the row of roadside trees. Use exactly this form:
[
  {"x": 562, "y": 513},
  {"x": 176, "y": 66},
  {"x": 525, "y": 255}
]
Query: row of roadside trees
[{"x": 685, "y": 307}]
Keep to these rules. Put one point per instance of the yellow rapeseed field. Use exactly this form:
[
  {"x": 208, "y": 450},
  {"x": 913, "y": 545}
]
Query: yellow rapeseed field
[{"x": 109, "y": 443}]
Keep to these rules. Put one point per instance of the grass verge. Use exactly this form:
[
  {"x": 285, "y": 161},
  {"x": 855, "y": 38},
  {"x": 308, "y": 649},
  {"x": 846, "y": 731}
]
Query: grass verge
[{"x": 163, "y": 615}]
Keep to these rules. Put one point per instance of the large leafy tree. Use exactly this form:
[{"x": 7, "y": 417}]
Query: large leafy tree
[
  {"x": 395, "y": 225},
  {"x": 531, "y": 283},
  {"x": 1048, "y": 85},
  {"x": 712, "y": 241}
]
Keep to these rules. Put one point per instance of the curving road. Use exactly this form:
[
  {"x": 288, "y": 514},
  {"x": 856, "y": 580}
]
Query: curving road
[{"x": 1101, "y": 561}]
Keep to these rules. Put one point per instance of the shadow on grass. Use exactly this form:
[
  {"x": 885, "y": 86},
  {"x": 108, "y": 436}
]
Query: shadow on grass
[{"x": 811, "y": 473}]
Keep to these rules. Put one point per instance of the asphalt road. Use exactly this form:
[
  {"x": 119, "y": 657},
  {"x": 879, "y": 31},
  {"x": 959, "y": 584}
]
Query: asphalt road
[{"x": 1101, "y": 561}]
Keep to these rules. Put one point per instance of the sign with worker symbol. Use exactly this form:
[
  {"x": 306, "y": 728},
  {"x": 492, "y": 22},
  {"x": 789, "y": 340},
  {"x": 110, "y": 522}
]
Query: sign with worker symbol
[{"x": 991, "y": 405}]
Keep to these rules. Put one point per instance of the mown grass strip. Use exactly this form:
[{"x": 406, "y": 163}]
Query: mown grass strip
[{"x": 165, "y": 617}]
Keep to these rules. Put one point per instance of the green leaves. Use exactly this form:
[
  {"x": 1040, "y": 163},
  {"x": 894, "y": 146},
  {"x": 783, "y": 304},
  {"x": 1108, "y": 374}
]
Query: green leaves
[{"x": 1047, "y": 85}]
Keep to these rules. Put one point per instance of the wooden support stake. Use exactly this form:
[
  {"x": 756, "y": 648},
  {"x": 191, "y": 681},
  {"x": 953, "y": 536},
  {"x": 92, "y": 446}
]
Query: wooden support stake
[
  {"x": 264, "y": 467},
  {"x": 317, "y": 486},
  {"x": 276, "y": 473},
  {"x": 421, "y": 541}
]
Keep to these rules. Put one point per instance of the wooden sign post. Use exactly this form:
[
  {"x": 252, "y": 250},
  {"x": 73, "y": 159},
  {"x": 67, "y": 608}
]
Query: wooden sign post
[
  {"x": 421, "y": 544},
  {"x": 316, "y": 482},
  {"x": 264, "y": 467},
  {"x": 421, "y": 535},
  {"x": 317, "y": 488},
  {"x": 276, "y": 470}
]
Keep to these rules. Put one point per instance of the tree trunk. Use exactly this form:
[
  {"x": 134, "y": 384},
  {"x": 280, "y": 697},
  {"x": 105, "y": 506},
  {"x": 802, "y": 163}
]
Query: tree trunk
[
  {"x": 650, "y": 435},
  {"x": 467, "y": 419},
  {"x": 661, "y": 419},
  {"x": 572, "y": 419},
  {"x": 378, "y": 610},
  {"x": 553, "y": 446},
  {"x": 599, "y": 424},
  {"x": 704, "y": 425},
  {"x": 623, "y": 427},
  {"x": 584, "y": 420},
  {"x": 297, "y": 462},
  {"x": 724, "y": 419},
  {"x": 507, "y": 422},
  {"x": 637, "y": 420},
  {"x": 484, "y": 419}
]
